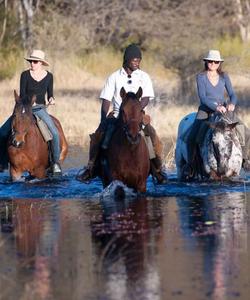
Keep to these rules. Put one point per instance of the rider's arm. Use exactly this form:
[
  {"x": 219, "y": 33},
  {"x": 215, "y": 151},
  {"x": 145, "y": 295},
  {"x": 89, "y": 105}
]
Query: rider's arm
[
  {"x": 230, "y": 91},
  {"x": 144, "y": 102},
  {"x": 147, "y": 90},
  {"x": 50, "y": 96},
  {"x": 104, "y": 109}
]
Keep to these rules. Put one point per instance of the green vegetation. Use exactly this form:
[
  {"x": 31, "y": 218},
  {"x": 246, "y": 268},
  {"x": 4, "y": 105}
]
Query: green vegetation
[
  {"x": 235, "y": 51},
  {"x": 10, "y": 62}
]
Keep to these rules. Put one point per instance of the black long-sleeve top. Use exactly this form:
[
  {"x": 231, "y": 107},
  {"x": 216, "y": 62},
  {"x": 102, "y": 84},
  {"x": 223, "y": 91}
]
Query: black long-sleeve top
[{"x": 30, "y": 87}]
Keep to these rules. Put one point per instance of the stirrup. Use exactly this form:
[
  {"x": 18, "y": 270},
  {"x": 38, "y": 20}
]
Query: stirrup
[{"x": 56, "y": 169}]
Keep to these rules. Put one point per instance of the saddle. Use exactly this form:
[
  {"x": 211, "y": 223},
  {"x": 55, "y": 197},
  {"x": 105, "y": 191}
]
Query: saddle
[{"x": 45, "y": 132}]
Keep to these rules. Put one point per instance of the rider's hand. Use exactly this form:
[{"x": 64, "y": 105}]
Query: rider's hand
[
  {"x": 51, "y": 101},
  {"x": 221, "y": 108},
  {"x": 230, "y": 107}
]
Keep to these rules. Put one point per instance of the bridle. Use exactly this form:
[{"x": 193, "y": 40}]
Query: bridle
[
  {"x": 14, "y": 132},
  {"x": 125, "y": 126}
]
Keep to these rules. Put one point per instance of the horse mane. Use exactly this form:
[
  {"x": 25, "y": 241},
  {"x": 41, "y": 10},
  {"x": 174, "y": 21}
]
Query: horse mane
[{"x": 26, "y": 100}]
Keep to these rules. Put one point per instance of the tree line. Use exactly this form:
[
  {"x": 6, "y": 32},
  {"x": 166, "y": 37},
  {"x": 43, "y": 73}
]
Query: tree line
[{"x": 174, "y": 31}]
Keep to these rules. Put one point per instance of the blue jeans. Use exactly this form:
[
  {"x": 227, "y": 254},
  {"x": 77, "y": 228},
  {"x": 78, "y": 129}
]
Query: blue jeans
[{"x": 42, "y": 113}]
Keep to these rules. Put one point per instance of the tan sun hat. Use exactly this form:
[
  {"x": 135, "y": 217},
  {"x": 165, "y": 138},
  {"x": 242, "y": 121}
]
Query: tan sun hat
[
  {"x": 213, "y": 55},
  {"x": 38, "y": 55}
]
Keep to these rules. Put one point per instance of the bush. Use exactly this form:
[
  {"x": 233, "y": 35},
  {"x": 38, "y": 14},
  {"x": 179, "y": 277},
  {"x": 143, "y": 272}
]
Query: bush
[{"x": 10, "y": 61}]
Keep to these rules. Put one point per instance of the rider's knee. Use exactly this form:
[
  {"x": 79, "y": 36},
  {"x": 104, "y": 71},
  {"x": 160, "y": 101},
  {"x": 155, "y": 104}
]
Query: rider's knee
[{"x": 149, "y": 130}]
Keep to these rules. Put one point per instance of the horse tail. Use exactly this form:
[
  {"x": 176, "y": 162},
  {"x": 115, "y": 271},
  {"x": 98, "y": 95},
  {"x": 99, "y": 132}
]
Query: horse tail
[{"x": 63, "y": 141}]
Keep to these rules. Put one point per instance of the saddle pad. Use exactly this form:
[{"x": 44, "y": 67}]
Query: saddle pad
[{"x": 46, "y": 134}]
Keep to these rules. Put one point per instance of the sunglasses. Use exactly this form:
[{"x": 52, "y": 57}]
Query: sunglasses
[
  {"x": 129, "y": 81},
  {"x": 213, "y": 61},
  {"x": 33, "y": 61}
]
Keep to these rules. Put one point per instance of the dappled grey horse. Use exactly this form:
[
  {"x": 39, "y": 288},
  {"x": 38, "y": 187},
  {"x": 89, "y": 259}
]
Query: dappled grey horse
[{"x": 220, "y": 153}]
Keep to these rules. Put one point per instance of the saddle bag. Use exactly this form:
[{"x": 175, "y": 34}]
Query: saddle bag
[{"x": 46, "y": 134}]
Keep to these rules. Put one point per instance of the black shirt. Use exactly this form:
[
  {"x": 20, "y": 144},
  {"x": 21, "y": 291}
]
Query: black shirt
[{"x": 30, "y": 87}]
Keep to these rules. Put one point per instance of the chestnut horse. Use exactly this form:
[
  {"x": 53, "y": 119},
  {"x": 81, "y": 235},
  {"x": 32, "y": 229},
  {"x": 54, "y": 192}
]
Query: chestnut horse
[
  {"x": 127, "y": 158},
  {"x": 27, "y": 149}
]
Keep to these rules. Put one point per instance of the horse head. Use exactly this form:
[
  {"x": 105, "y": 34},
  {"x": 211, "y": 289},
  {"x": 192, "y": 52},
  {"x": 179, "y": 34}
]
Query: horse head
[
  {"x": 224, "y": 153},
  {"x": 22, "y": 118},
  {"x": 131, "y": 114}
]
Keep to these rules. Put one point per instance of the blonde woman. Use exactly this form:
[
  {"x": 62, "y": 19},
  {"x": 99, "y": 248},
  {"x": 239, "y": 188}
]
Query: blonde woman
[{"x": 36, "y": 81}]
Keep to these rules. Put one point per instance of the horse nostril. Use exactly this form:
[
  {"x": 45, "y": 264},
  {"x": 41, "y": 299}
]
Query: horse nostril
[{"x": 17, "y": 144}]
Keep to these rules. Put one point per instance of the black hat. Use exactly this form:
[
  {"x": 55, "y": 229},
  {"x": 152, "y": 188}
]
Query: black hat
[{"x": 132, "y": 51}]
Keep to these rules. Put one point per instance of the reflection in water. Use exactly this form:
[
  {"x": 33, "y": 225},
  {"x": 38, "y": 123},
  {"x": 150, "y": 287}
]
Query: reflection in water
[
  {"x": 218, "y": 228},
  {"x": 126, "y": 238},
  {"x": 145, "y": 248}
]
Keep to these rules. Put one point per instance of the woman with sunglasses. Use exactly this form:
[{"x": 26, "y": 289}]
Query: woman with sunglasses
[
  {"x": 130, "y": 77},
  {"x": 36, "y": 81},
  {"x": 211, "y": 86}
]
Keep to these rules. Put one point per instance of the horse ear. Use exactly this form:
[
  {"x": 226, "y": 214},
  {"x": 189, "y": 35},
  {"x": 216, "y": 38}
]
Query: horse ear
[
  {"x": 123, "y": 93},
  {"x": 16, "y": 96},
  {"x": 139, "y": 93}
]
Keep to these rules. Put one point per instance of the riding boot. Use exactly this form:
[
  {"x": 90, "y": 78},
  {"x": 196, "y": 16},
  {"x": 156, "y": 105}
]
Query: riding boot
[
  {"x": 56, "y": 169},
  {"x": 88, "y": 172},
  {"x": 156, "y": 168}
]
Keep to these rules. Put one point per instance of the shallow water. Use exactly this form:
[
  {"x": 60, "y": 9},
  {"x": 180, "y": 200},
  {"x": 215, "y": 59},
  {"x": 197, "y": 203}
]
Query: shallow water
[{"x": 61, "y": 239}]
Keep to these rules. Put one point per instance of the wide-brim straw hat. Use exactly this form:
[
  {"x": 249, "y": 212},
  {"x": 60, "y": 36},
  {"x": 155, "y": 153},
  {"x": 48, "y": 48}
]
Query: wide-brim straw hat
[
  {"x": 38, "y": 55},
  {"x": 213, "y": 55}
]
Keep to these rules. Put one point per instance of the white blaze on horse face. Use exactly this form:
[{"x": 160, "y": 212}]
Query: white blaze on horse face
[{"x": 23, "y": 110}]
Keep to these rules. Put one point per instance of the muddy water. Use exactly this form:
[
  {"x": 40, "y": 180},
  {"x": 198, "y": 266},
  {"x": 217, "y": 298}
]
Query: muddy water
[{"x": 61, "y": 239}]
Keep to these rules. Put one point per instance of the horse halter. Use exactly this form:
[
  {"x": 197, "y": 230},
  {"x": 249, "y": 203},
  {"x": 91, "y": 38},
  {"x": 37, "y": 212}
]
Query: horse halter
[
  {"x": 18, "y": 136},
  {"x": 126, "y": 124}
]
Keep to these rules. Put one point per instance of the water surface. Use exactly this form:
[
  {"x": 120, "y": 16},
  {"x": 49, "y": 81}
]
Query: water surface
[{"x": 61, "y": 239}]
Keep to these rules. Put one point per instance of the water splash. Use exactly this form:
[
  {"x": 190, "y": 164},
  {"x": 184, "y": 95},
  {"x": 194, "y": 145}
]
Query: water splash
[{"x": 117, "y": 189}]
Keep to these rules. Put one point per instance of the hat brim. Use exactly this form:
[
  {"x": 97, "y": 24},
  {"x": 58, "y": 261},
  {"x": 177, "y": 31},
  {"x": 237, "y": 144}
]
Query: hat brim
[
  {"x": 44, "y": 62},
  {"x": 209, "y": 59}
]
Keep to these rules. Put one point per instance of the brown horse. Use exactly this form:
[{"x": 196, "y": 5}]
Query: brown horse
[
  {"x": 27, "y": 150},
  {"x": 127, "y": 158}
]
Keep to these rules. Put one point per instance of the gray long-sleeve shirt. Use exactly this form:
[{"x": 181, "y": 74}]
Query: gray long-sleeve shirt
[{"x": 212, "y": 96}]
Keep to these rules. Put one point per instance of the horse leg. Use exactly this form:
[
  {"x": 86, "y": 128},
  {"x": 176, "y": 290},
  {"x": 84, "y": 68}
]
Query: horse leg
[
  {"x": 15, "y": 174},
  {"x": 141, "y": 188},
  {"x": 39, "y": 172}
]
